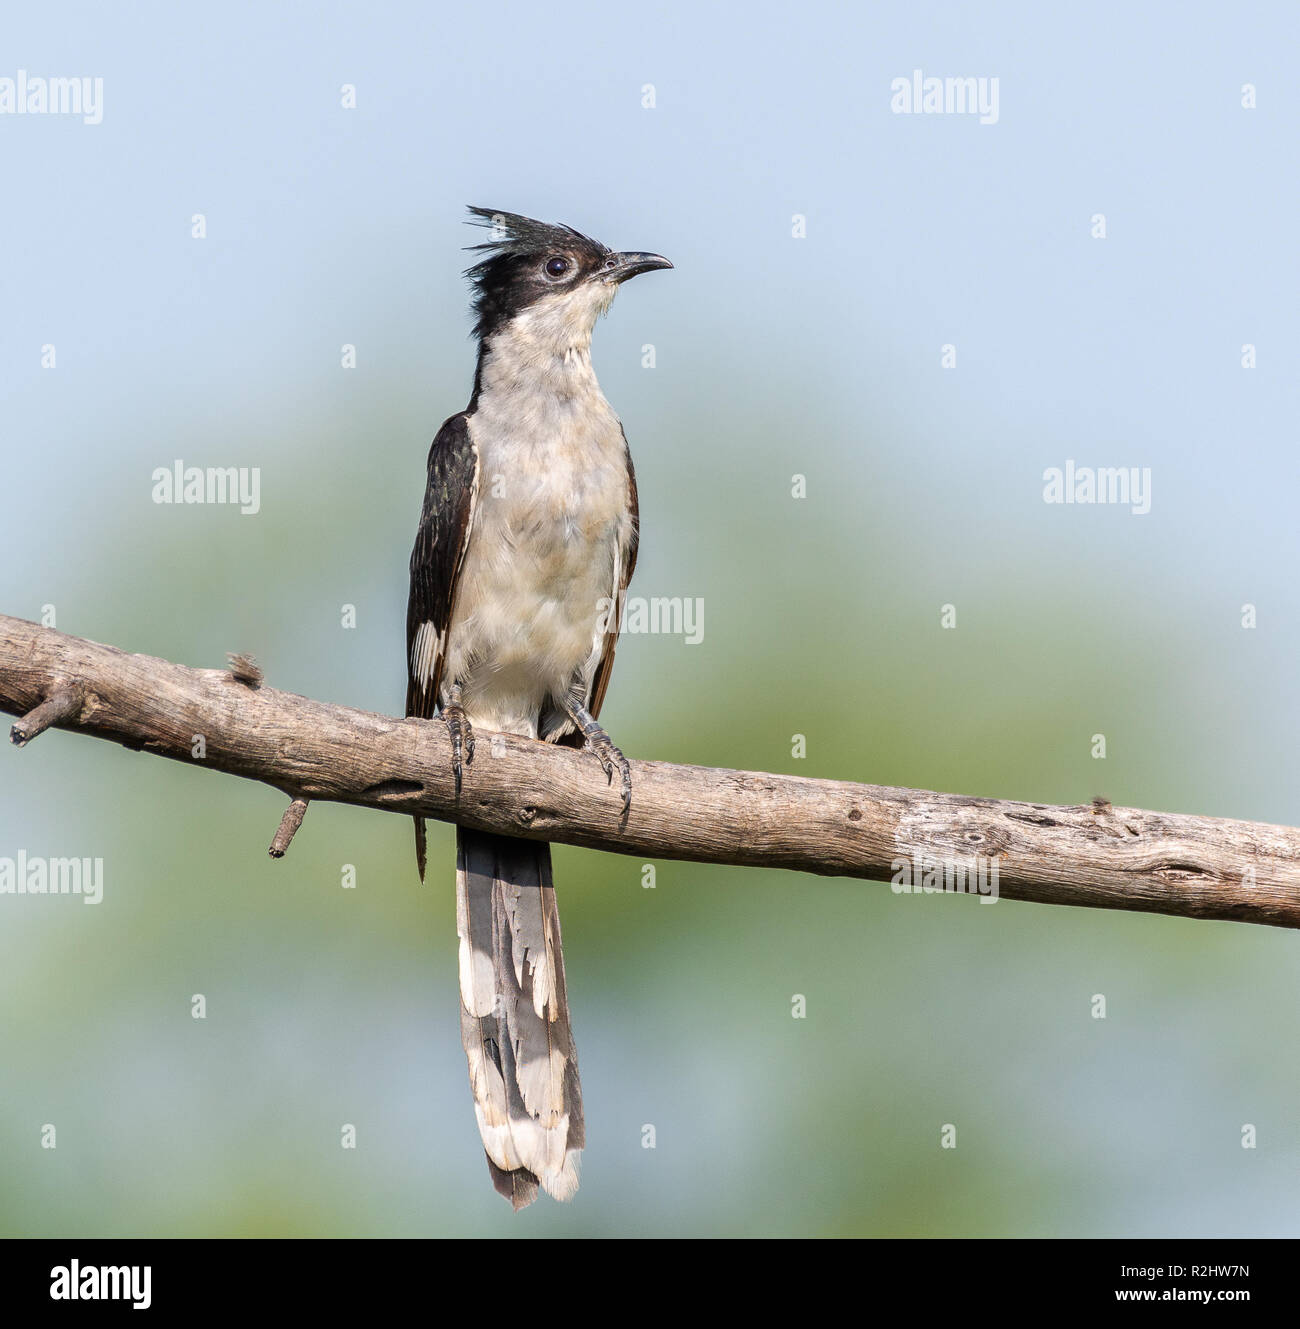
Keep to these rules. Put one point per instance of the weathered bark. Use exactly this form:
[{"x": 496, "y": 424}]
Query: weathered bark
[{"x": 1101, "y": 856}]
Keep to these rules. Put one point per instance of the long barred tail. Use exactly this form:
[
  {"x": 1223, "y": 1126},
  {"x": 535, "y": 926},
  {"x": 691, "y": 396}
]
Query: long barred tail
[{"x": 514, "y": 1016}]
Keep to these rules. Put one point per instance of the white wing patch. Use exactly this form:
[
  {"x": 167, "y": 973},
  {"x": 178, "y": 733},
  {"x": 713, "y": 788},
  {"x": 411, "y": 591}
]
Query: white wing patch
[{"x": 426, "y": 651}]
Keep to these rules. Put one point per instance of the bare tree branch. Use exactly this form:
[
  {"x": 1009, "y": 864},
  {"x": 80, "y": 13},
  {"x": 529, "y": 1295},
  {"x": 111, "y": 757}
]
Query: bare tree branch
[
  {"x": 1094, "y": 854},
  {"x": 289, "y": 824},
  {"x": 63, "y": 702}
]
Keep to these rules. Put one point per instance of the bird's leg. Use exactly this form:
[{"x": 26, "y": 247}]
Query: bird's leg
[
  {"x": 462, "y": 732},
  {"x": 599, "y": 742}
]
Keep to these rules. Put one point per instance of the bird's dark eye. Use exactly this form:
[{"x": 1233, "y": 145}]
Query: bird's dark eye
[{"x": 557, "y": 267}]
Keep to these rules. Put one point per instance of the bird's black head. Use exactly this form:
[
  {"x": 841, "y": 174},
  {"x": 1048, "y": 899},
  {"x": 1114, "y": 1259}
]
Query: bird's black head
[{"x": 540, "y": 266}]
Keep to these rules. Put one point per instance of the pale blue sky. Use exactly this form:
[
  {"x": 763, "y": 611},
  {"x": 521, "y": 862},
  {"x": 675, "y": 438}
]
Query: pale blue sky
[{"x": 327, "y": 226}]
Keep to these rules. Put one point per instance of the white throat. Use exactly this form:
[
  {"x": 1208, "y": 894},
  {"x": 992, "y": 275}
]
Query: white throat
[{"x": 548, "y": 345}]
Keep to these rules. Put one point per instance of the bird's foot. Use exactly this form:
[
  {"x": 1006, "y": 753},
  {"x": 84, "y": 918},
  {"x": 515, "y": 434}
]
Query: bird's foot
[
  {"x": 462, "y": 739},
  {"x": 611, "y": 760},
  {"x": 599, "y": 742}
]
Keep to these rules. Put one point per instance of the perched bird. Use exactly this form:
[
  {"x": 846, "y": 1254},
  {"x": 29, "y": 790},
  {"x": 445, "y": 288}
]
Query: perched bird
[{"x": 528, "y": 532}]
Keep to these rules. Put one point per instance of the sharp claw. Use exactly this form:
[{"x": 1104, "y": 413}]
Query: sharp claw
[
  {"x": 600, "y": 743},
  {"x": 612, "y": 759},
  {"x": 462, "y": 742}
]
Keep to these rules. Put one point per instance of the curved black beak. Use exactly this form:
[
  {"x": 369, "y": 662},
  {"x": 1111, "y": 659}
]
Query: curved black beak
[{"x": 619, "y": 267}]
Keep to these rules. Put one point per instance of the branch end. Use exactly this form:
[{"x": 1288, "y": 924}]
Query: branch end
[
  {"x": 289, "y": 824},
  {"x": 244, "y": 669},
  {"x": 62, "y": 704}
]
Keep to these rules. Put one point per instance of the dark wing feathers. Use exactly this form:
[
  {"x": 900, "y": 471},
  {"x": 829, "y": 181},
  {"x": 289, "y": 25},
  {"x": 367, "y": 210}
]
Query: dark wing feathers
[
  {"x": 437, "y": 557},
  {"x": 436, "y": 560}
]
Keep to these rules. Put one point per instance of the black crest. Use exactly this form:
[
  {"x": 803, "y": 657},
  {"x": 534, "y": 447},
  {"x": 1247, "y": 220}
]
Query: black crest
[{"x": 510, "y": 275}]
